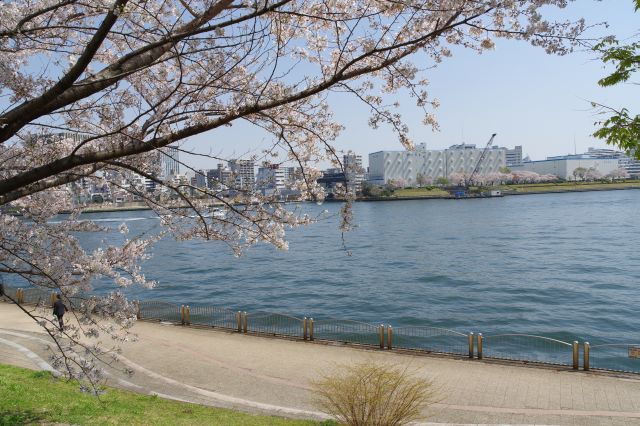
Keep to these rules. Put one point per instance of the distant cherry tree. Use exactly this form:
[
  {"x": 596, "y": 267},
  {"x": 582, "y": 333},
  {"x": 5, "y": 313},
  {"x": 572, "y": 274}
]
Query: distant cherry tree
[
  {"x": 102, "y": 92},
  {"x": 618, "y": 174},
  {"x": 592, "y": 174}
]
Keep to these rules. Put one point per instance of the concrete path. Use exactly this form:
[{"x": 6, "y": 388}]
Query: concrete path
[{"x": 272, "y": 376}]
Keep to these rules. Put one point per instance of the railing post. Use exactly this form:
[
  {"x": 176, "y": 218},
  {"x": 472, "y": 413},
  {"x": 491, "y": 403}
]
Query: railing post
[
  {"x": 586, "y": 353},
  {"x": 244, "y": 322},
  {"x": 311, "y": 329},
  {"x": 187, "y": 314},
  {"x": 54, "y": 296},
  {"x": 20, "y": 296},
  {"x": 304, "y": 328},
  {"x": 471, "y": 337},
  {"x": 239, "y": 321},
  {"x": 576, "y": 355},
  {"x": 182, "y": 315},
  {"x": 381, "y": 335},
  {"x": 480, "y": 341},
  {"x": 389, "y": 337}
]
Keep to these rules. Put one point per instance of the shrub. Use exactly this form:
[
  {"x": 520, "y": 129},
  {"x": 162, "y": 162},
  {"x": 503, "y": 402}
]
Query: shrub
[{"x": 373, "y": 395}]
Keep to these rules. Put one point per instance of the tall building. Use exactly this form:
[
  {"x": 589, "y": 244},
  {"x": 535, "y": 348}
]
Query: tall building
[
  {"x": 290, "y": 174},
  {"x": 405, "y": 166},
  {"x": 243, "y": 172},
  {"x": 353, "y": 171},
  {"x": 627, "y": 162},
  {"x": 200, "y": 179},
  {"x": 563, "y": 166},
  {"x": 170, "y": 161},
  {"x": 219, "y": 177},
  {"x": 514, "y": 156},
  {"x": 270, "y": 177}
]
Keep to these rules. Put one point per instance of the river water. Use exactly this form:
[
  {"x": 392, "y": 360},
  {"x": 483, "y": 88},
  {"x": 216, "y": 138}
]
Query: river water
[{"x": 560, "y": 265}]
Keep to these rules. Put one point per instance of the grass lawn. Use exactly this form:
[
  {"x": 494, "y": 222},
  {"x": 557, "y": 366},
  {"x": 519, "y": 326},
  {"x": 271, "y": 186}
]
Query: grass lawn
[
  {"x": 35, "y": 397},
  {"x": 420, "y": 192},
  {"x": 567, "y": 186}
]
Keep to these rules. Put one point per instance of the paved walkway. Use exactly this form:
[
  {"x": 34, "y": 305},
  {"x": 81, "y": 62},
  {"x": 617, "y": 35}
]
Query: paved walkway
[{"x": 272, "y": 376}]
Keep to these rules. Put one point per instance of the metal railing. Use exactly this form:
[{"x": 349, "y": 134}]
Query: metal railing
[
  {"x": 431, "y": 339},
  {"x": 612, "y": 356},
  {"x": 211, "y": 316},
  {"x": 163, "y": 311},
  {"x": 36, "y": 296},
  {"x": 517, "y": 347},
  {"x": 347, "y": 331},
  {"x": 527, "y": 347},
  {"x": 12, "y": 292},
  {"x": 275, "y": 324}
]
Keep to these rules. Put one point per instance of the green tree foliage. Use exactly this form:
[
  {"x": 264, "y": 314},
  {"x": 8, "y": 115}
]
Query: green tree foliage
[
  {"x": 621, "y": 128},
  {"x": 442, "y": 181}
]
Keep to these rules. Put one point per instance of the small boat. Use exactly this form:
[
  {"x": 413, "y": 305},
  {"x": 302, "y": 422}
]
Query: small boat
[{"x": 219, "y": 213}]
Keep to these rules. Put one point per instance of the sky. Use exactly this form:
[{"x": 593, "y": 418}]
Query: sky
[{"x": 526, "y": 96}]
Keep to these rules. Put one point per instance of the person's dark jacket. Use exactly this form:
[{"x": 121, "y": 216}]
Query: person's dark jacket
[{"x": 58, "y": 308}]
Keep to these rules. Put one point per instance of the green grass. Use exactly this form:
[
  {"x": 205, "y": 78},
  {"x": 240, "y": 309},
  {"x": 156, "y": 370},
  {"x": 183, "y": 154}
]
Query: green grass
[
  {"x": 567, "y": 186},
  {"x": 30, "y": 397},
  {"x": 420, "y": 192}
]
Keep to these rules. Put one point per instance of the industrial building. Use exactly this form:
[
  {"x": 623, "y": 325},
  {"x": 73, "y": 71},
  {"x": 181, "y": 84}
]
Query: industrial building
[
  {"x": 564, "y": 166},
  {"x": 406, "y": 166}
]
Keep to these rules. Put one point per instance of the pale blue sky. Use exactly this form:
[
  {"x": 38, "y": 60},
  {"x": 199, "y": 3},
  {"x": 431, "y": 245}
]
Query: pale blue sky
[{"x": 529, "y": 98}]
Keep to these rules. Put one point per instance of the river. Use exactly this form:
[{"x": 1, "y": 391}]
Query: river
[{"x": 560, "y": 265}]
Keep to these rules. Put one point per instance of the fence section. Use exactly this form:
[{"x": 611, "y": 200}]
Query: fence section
[
  {"x": 213, "y": 316},
  {"x": 431, "y": 339},
  {"x": 518, "y": 347},
  {"x": 163, "y": 311},
  {"x": 347, "y": 331},
  {"x": 36, "y": 296},
  {"x": 614, "y": 356},
  {"x": 525, "y": 347},
  {"x": 276, "y": 324},
  {"x": 12, "y": 292}
]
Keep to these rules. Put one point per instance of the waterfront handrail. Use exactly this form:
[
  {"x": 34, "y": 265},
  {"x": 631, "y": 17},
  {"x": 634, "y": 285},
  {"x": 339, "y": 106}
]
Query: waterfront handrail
[
  {"x": 527, "y": 335},
  {"x": 424, "y": 338}
]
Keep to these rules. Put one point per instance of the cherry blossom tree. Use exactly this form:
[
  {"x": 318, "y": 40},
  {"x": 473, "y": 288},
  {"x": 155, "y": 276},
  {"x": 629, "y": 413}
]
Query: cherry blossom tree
[
  {"x": 101, "y": 92},
  {"x": 619, "y": 173},
  {"x": 592, "y": 174}
]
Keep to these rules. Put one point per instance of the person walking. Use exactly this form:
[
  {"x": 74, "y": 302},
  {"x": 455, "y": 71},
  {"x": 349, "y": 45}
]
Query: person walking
[{"x": 59, "y": 309}]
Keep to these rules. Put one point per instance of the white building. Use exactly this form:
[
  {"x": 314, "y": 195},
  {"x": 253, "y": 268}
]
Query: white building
[
  {"x": 385, "y": 166},
  {"x": 271, "y": 177},
  {"x": 244, "y": 173},
  {"x": 354, "y": 172},
  {"x": 630, "y": 164},
  {"x": 514, "y": 156},
  {"x": 564, "y": 166}
]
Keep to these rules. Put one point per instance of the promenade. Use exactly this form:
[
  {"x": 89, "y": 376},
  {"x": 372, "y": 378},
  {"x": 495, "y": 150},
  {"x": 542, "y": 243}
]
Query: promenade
[{"x": 269, "y": 375}]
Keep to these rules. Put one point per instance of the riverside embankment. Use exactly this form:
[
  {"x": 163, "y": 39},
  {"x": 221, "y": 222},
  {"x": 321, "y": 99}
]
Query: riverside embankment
[
  {"x": 420, "y": 194},
  {"x": 271, "y": 375}
]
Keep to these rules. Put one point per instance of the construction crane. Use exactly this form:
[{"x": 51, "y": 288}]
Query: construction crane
[{"x": 468, "y": 181}]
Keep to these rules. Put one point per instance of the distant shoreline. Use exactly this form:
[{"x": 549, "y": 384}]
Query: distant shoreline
[{"x": 505, "y": 193}]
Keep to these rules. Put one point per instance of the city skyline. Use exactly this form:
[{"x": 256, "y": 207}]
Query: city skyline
[{"x": 527, "y": 97}]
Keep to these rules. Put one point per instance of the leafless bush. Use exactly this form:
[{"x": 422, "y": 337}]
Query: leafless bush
[{"x": 373, "y": 395}]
